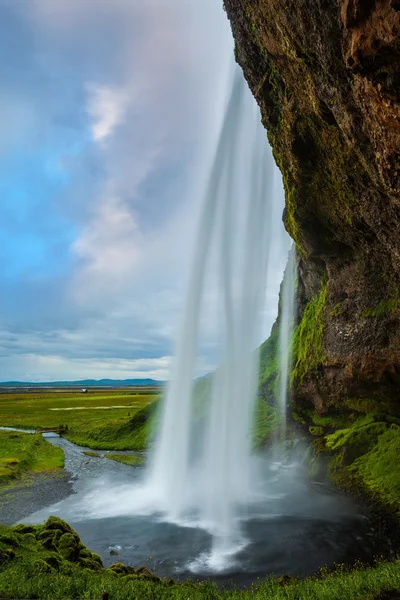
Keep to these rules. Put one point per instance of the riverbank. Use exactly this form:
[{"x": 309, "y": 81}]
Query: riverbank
[
  {"x": 34, "y": 492},
  {"x": 26, "y": 453}
]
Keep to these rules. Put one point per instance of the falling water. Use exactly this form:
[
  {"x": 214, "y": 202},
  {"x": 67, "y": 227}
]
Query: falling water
[
  {"x": 214, "y": 482},
  {"x": 286, "y": 325}
]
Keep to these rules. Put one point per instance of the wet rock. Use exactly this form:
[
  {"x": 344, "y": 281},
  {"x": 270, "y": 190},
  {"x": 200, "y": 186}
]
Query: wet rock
[{"x": 114, "y": 553}]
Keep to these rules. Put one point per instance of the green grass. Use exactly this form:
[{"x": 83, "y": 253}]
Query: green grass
[
  {"x": 308, "y": 338},
  {"x": 50, "y": 562},
  {"x": 134, "y": 461},
  {"x": 266, "y": 422},
  {"x": 108, "y": 427},
  {"x": 92, "y": 454},
  {"x": 363, "y": 455},
  {"x": 383, "y": 308},
  {"x": 22, "y": 453},
  {"x": 127, "y": 434}
]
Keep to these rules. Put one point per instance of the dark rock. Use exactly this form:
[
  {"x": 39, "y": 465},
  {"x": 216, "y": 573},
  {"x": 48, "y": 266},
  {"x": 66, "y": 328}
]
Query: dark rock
[
  {"x": 114, "y": 553},
  {"x": 325, "y": 75}
]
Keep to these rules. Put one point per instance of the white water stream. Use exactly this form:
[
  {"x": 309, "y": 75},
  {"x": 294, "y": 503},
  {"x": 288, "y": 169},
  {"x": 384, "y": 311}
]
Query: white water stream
[{"x": 213, "y": 484}]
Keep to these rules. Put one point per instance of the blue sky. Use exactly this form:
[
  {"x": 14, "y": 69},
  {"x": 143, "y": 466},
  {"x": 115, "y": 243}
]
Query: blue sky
[{"x": 109, "y": 113}]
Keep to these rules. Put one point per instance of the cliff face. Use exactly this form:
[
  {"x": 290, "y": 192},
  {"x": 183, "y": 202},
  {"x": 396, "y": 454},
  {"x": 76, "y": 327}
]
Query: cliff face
[{"x": 326, "y": 75}]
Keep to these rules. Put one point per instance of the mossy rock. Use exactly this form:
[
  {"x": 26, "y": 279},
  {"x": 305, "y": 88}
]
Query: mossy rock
[
  {"x": 316, "y": 431},
  {"x": 118, "y": 568},
  {"x": 144, "y": 573},
  {"x": 41, "y": 566},
  {"x": 9, "y": 539},
  {"x": 29, "y": 539},
  {"x": 85, "y": 553},
  {"x": 97, "y": 558},
  {"x": 89, "y": 563},
  {"x": 68, "y": 547},
  {"x": 54, "y": 561},
  {"x": 57, "y": 523},
  {"x": 50, "y": 537},
  {"x": 4, "y": 557},
  {"x": 24, "y": 529}
]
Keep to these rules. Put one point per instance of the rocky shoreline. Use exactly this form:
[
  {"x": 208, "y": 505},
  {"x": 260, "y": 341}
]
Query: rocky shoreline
[{"x": 32, "y": 493}]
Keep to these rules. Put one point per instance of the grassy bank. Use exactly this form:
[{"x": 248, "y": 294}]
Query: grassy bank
[
  {"x": 23, "y": 453},
  {"x": 100, "y": 419},
  {"x": 133, "y": 433},
  {"x": 361, "y": 453},
  {"x": 51, "y": 563}
]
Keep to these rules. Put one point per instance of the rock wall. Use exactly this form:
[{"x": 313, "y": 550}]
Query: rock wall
[{"x": 326, "y": 75}]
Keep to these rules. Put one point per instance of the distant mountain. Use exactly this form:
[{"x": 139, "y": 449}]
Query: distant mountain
[{"x": 84, "y": 383}]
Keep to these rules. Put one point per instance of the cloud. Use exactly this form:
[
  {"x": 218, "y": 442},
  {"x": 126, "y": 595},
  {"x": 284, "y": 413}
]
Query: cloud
[
  {"x": 106, "y": 108},
  {"x": 112, "y": 118},
  {"x": 38, "y": 367}
]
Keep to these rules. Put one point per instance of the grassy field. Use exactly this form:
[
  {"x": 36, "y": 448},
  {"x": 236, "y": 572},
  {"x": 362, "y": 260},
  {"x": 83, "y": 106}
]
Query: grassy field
[
  {"x": 21, "y": 453},
  {"x": 50, "y": 562},
  {"x": 101, "y": 419}
]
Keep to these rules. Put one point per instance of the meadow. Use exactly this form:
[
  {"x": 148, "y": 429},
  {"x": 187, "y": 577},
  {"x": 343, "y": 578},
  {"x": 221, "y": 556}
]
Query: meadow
[{"x": 102, "y": 419}]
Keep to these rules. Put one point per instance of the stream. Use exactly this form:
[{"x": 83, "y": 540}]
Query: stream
[{"x": 295, "y": 526}]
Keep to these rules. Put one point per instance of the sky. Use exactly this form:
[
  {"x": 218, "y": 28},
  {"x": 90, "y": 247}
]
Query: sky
[{"x": 109, "y": 115}]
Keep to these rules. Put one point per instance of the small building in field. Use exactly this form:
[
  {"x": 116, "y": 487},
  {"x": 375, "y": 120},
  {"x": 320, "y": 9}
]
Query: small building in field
[{"x": 84, "y": 391}]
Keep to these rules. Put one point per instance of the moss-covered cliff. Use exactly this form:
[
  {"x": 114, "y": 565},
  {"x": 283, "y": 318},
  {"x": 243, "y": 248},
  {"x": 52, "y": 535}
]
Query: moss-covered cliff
[{"x": 326, "y": 75}]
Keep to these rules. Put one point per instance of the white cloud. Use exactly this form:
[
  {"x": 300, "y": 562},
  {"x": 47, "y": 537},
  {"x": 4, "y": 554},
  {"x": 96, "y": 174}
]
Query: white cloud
[
  {"x": 148, "y": 80},
  {"x": 38, "y": 367},
  {"x": 106, "y": 108}
]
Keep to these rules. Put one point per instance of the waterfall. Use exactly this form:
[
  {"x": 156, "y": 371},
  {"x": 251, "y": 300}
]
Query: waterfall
[
  {"x": 286, "y": 326},
  {"x": 212, "y": 483}
]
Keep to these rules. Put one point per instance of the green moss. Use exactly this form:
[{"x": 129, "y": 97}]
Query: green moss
[
  {"x": 134, "y": 461},
  {"x": 92, "y": 454},
  {"x": 384, "y": 308},
  {"x": 266, "y": 423},
  {"x": 317, "y": 431},
  {"x": 336, "y": 310},
  {"x": 363, "y": 457},
  {"x": 308, "y": 351},
  {"x": 68, "y": 547}
]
